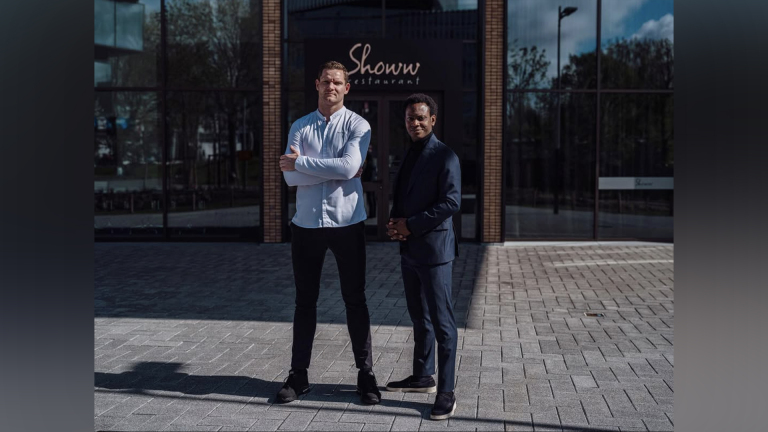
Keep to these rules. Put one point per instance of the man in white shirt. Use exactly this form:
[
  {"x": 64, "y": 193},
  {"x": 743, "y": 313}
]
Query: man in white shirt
[{"x": 325, "y": 154}]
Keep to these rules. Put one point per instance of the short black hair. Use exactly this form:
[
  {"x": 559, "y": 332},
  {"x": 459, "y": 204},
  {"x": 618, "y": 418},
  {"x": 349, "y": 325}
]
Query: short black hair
[{"x": 421, "y": 98}]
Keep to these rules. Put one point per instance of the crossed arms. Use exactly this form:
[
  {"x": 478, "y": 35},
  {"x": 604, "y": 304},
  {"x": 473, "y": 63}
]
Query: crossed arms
[{"x": 301, "y": 170}]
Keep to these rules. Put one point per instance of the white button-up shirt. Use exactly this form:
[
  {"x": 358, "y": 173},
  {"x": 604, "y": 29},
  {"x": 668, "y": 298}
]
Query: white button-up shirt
[{"x": 331, "y": 154}]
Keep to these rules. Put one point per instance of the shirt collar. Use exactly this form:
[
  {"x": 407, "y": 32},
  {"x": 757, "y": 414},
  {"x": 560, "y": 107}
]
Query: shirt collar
[{"x": 334, "y": 116}]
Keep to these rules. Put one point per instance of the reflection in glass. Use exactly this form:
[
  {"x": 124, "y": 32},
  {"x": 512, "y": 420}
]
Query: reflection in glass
[
  {"x": 369, "y": 110},
  {"x": 295, "y": 67},
  {"x": 637, "y": 141},
  {"x": 129, "y": 26},
  {"x": 468, "y": 156},
  {"x": 539, "y": 170},
  {"x": 127, "y": 43},
  {"x": 431, "y": 20},
  {"x": 399, "y": 140},
  {"x": 215, "y": 162},
  {"x": 469, "y": 69},
  {"x": 532, "y": 43},
  {"x": 127, "y": 164},
  {"x": 310, "y": 19},
  {"x": 104, "y": 22},
  {"x": 637, "y": 45},
  {"x": 214, "y": 44}
]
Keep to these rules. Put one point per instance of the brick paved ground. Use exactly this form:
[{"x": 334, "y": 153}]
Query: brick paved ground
[{"x": 196, "y": 337}]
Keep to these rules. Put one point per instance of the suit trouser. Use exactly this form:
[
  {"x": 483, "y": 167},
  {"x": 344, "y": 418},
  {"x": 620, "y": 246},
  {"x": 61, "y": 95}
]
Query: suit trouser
[
  {"x": 308, "y": 248},
  {"x": 428, "y": 296}
]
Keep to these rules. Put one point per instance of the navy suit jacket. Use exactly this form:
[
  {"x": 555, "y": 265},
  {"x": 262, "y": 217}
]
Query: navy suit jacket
[{"x": 434, "y": 195}]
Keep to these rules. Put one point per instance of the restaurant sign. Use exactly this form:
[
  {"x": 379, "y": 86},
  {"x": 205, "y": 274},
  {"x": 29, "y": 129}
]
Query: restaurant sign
[{"x": 388, "y": 64}]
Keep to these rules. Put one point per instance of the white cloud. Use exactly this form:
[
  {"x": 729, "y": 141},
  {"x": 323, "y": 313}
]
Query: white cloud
[{"x": 664, "y": 28}]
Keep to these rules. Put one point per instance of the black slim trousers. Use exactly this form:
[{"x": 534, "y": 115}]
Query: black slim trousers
[{"x": 308, "y": 248}]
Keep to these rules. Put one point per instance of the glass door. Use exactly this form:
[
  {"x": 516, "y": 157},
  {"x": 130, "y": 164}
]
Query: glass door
[{"x": 373, "y": 178}]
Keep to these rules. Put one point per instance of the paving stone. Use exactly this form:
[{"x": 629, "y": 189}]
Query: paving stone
[
  {"x": 376, "y": 427},
  {"x": 266, "y": 425},
  {"x": 518, "y": 422},
  {"x": 241, "y": 422},
  {"x": 297, "y": 421},
  {"x": 191, "y": 428},
  {"x": 403, "y": 423},
  {"x": 335, "y": 426}
]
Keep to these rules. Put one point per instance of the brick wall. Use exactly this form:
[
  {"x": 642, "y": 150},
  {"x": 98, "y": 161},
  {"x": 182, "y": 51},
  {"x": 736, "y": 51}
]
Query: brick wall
[
  {"x": 273, "y": 126},
  {"x": 494, "y": 87}
]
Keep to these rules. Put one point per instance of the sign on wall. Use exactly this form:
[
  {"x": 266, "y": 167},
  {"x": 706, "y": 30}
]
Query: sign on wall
[
  {"x": 636, "y": 183},
  {"x": 388, "y": 64}
]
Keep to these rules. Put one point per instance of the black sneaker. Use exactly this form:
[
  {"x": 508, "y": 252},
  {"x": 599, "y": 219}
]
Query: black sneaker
[
  {"x": 413, "y": 384},
  {"x": 296, "y": 385},
  {"x": 367, "y": 387},
  {"x": 444, "y": 407}
]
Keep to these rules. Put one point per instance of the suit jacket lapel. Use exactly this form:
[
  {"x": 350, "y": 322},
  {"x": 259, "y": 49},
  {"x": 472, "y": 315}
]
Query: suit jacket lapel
[{"x": 421, "y": 162}]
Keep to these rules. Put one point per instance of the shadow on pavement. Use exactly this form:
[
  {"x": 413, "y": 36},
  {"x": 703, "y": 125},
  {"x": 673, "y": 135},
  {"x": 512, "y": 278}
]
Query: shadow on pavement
[
  {"x": 165, "y": 377},
  {"x": 147, "y": 378},
  {"x": 250, "y": 282}
]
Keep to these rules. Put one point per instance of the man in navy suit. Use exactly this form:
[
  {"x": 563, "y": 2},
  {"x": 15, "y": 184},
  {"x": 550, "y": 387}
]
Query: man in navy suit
[{"x": 427, "y": 192}]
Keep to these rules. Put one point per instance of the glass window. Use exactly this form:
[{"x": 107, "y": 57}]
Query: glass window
[
  {"x": 469, "y": 69},
  {"x": 469, "y": 173},
  {"x": 104, "y": 22},
  {"x": 215, "y": 163},
  {"x": 102, "y": 72},
  {"x": 214, "y": 44},
  {"x": 419, "y": 20},
  {"x": 129, "y": 26},
  {"x": 127, "y": 164},
  {"x": 127, "y": 43},
  {"x": 636, "y": 166},
  {"x": 533, "y": 39},
  {"x": 549, "y": 181},
  {"x": 295, "y": 66},
  {"x": 637, "y": 43},
  {"x": 333, "y": 19}
]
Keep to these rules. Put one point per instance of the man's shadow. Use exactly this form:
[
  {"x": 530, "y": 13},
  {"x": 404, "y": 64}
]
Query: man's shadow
[{"x": 167, "y": 377}]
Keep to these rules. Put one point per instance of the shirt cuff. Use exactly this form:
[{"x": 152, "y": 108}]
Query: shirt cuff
[{"x": 300, "y": 162}]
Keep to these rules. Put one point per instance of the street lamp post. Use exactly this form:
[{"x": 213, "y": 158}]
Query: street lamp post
[{"x": 561, "y": 13}]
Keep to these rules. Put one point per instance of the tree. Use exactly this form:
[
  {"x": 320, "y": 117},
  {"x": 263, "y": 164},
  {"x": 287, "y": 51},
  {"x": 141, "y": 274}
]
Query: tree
[
  {"x": 527, "y": 67},
  {"x": 213, "y": 45}
]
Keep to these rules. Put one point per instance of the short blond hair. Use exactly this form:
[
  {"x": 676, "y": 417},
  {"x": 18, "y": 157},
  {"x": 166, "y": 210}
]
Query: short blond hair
[{"x": 333, "y": 65}]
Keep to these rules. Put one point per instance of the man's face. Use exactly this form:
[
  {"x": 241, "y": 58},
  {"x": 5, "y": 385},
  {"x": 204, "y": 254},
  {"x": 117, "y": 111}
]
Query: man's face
[
  {"x": 331, "y": 86},
  {"x": 419, "y": 121}
]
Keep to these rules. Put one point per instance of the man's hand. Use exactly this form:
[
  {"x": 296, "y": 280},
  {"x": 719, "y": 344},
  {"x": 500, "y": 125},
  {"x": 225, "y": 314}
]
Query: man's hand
[
  {"x": 397, "y": 230},
  {"x": 288, "y": 162},
  {"x": 359, "y": 172}
]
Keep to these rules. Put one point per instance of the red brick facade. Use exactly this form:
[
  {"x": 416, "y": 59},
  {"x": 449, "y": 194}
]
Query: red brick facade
[
  {"x": 494, "y": 120},
  {"x": 273, "y": 123}
]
